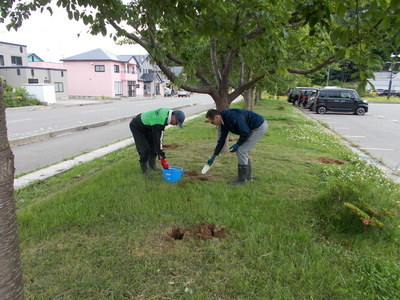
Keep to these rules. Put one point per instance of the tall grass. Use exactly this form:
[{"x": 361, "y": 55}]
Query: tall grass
[{"x": 100, "y": 231}]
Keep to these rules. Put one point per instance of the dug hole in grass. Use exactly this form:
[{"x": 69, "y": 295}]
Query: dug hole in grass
[{"x": 104, "y": 231}]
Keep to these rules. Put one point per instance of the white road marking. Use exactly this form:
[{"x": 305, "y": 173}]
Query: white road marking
[{"x": 22, "y": 120}]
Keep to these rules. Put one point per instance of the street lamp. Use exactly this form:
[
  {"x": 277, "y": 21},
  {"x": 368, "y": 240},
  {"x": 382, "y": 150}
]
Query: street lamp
[
  {"x": 328, "y": 75},
  {"x": 391, "y": 74}
]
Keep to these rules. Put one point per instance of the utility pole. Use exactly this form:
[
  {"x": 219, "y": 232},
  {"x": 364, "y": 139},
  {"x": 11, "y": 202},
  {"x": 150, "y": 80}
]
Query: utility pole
[{"x": 328, "y": 75}]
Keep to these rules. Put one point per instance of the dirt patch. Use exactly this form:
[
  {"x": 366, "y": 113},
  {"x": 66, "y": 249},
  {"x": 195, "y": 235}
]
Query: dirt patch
[
  {"x": 192, "y": 173},
  {"x": 170, "y": 146},
  {"x": 327, "y": 160},
  {"x": 204, "y": 231},
  {"x": 196, "y": 176}
]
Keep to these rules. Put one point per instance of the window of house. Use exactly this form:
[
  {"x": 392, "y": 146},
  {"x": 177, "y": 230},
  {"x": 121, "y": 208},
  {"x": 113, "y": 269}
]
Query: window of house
[
  {"x": 1, "y": 60},
  {"x": 16, "y": 60},
  {"x": 32, "y": 72},
  {"x": 62, "y": 73},
  {"x": 118, "y": 88},
  {"x": 59, "y": 87},
  {"x": 18, "y": 72},
  {"x": 99, "y": 68},
  {"x": 33, "y": 80},
  {"x": 116, "y": 69},
  {"x": 138, "y": 86},
  {"x": 21, "y": 50},
  {"x": 133, "y": 70}
]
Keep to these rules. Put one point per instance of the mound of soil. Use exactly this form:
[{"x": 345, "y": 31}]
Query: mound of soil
[
  {"x": 327, "y": 160},
  {"x": 204, "y": 231}
]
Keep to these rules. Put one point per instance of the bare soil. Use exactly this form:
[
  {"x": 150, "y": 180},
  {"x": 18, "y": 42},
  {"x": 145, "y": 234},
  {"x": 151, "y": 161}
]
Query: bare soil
[
  {"x": 327, "y": 160},
  {"x": 170, "y": 146},
  {"x": 203, "y": 231},
  {"x": 196, "y": 176}
]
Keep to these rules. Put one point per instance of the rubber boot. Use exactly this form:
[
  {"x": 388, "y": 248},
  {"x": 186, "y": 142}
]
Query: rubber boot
[
  {"x": 242, "y": 175},
  {"x": 145, "y": 168},
  {"x": 152, "y": 164},
  {"x": 249, "y": 169}
]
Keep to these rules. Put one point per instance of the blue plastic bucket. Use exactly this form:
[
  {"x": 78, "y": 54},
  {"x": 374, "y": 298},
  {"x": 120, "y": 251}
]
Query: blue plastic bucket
[{"x": 173, "y": 174}]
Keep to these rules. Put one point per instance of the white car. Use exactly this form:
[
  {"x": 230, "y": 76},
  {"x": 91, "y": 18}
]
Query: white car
[
  {"x": 183, "y": 93},
  {"x": 167, "y": 92}
]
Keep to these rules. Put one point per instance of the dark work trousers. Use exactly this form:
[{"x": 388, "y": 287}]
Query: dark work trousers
[{"x": 143, "y": 139}]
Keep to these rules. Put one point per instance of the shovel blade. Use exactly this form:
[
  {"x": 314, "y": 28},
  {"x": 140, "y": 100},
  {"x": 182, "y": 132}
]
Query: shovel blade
[{"x": 205, "y": 169}]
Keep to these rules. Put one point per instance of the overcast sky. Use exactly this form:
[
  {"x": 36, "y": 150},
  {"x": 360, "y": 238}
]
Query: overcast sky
[{"x": 55, "y": 37}]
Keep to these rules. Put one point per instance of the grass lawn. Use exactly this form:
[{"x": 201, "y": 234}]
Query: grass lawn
[
  {"x": 315, "y": 223},
  {"x": 382, "y": 99}
]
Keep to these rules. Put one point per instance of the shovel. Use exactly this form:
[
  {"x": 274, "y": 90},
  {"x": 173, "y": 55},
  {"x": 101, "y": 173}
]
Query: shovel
[{"x": 205, "y": 169}]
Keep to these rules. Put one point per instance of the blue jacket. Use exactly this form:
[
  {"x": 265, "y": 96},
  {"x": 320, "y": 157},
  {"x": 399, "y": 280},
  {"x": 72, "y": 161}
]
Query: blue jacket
[{"x": 240, "y": 122}]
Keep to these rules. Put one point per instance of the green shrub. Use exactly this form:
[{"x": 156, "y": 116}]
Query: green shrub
[{"x": 18, "y": 97}]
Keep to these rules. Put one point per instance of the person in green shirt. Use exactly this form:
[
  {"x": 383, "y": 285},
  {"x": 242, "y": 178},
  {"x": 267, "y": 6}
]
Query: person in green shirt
[{"x": 148, "y": 130}]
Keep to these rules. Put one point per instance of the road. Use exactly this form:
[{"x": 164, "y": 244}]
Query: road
[
  {"x": 24, "y": 124},
  {"x": 376, "y": 133}
]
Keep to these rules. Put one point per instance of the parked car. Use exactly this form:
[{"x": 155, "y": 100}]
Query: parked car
[
  {"x": 183, "y": 93},
  {"x": 386, "y": 93},
  {"x": 303, "y": 97},
  {"x": 293, "y": 94},
  {"x": 311, "y": 100},
  {"x": 167, "y": 92},
  {"x": 340, "y": 100}
]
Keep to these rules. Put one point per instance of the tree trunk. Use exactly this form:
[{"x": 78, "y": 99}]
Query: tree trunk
[
  {"x": 257, "y": 97},
  {"x": 221, "y": 103},
  {"x": 11, "y": 283},
  {"x": 248, "y": 99}
]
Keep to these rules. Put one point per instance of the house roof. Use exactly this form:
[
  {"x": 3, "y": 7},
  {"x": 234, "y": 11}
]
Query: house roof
[
  {"x": 147, "y": 77},
  {"x": 12, "y": 44},
  {"x": 34, "y": 57},
  {"x": 98, "y": 55},
  {"x": 125, "y": 58},
  {"x": 140, "y": 58}
]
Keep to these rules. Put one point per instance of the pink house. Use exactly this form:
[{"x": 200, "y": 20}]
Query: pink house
[{"x": 100, "y": 73}]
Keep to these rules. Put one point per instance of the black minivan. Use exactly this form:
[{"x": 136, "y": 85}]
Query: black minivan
[{"x": 340, "y": 100}]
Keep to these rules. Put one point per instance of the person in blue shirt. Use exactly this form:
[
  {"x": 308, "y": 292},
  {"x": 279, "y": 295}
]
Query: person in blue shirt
[{"x": 250, "y": 127}]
